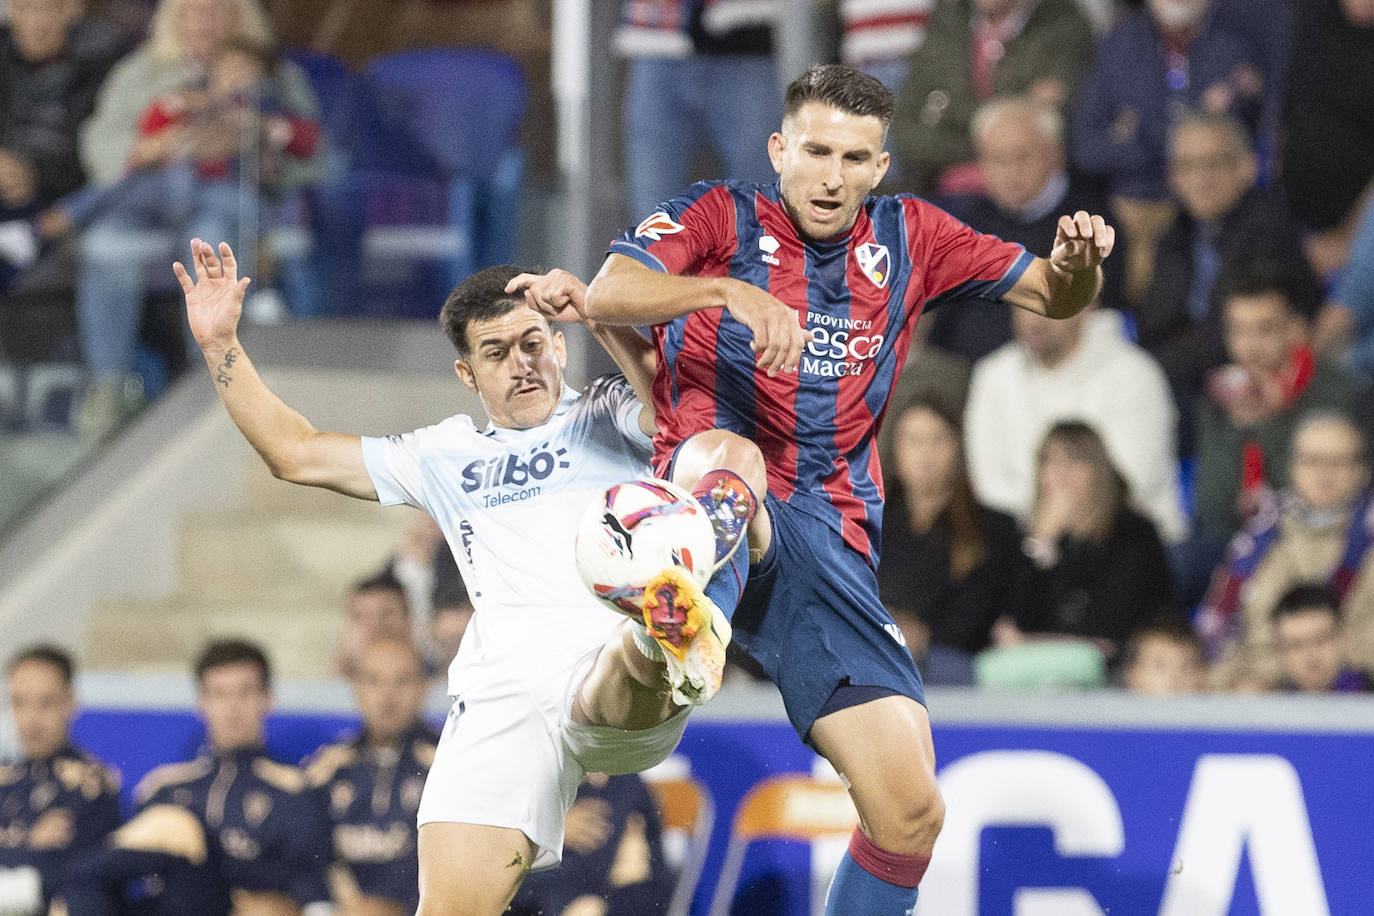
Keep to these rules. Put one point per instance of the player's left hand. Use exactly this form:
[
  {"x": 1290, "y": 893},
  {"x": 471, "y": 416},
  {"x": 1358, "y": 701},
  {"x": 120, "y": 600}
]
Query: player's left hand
[
  {"x": 1081, "y": 242},
  {"x": 557, "y": 295}
]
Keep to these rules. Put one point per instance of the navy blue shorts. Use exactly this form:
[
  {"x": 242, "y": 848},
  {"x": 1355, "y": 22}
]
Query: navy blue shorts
[{"x": 810, "y": 615}]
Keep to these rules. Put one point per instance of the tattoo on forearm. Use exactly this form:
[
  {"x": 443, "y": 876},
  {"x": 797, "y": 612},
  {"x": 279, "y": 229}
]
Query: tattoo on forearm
[{"x": 222, "y": 373}]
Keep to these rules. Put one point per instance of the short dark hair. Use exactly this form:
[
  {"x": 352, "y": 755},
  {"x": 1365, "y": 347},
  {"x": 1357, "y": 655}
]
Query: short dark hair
[
  {"x": 1262, "y": 276},
  {"x": 1307, "y": 596},
  {"x": 383, "y": 581},
  {"x": 44, "y": 654},
  {"x": 221, "y": 652},
  {"x": 840, "y": 86},
  {"x": 480, "y": 297},
  {"x": 1168, "y": 625}
]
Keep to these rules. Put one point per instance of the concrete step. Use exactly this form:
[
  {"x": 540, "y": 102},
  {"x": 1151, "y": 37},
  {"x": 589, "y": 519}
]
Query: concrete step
[
  {"x": 256, "y": 551},
  {"x": 298, "y": 632}
]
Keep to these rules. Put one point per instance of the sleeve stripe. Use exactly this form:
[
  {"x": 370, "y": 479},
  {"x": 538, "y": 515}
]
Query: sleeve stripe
[
  {"x": 651, "y": 261},
  {"x": 1013, "y": 273}
]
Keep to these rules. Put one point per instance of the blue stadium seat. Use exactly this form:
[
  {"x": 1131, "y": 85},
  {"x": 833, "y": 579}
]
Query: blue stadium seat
[{"x": 435, "y": 167}]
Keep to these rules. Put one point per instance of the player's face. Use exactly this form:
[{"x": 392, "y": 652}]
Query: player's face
[
  {"x": 1164, "y": 667},
  {"x": 43, "y": 707},
  {"x": 516, "y": 367},
  {"x": 829, "y": 160},
  {"x": 1311, "y": 648},
  {"x": 234, "y": 703},
  {"x": 389, "y": 688},
  {"x": 1328, "y": 467}
]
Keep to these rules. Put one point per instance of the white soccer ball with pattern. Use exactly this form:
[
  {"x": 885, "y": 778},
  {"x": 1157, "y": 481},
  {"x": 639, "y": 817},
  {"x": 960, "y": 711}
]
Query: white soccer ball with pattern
[{"x": 635, "y": 531}]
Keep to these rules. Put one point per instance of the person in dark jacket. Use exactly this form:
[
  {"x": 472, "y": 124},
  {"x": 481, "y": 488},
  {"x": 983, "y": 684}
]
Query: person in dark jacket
[
  {"x": 948, "y": 563},
  {"x": 1098, "y": 569},
  {"x": 55, "y": 802}
]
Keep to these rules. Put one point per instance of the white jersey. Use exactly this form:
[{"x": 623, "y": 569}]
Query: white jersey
[{"x": 509, "y": 502}]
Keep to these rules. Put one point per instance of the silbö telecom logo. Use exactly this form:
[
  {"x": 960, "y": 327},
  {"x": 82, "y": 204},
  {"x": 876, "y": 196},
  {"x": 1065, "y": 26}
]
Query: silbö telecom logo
[{"x": 523, "y": 472}]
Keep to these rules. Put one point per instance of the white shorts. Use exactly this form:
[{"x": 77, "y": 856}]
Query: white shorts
[{"x": 505, "y": 761}]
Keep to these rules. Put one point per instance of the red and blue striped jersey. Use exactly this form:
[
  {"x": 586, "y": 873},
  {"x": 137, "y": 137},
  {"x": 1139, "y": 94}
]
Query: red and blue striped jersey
[{"x": 859, "y": 295}]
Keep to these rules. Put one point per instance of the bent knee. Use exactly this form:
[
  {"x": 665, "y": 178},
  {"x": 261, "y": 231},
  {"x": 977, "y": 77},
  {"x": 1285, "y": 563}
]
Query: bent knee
[{"x": 719, "y": 448}]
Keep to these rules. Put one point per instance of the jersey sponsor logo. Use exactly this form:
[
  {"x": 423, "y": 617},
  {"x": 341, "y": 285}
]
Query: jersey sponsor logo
[
  {"x": 769, "y": 248},
  {"x": 656, "y": 226},
  {"x": 839, "y": 346},
  {"x": 515, "y": 470},
  {"x": 896, "y": 633},
  {"x": 875, "y": 262}
]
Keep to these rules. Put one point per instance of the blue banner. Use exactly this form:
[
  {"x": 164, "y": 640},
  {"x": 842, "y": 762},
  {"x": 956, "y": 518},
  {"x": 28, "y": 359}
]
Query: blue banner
[{"x": 1042, "y": 820}]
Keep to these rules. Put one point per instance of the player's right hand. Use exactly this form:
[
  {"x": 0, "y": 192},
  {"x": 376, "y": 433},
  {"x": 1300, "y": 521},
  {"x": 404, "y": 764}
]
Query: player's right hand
[
  {"x": 779, "y": 337},
  {"x": 214, "y": 299}
]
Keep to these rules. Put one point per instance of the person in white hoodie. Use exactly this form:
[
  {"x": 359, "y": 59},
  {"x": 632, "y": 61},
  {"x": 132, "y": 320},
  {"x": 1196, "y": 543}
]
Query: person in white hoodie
[{"x": 1081, "y": 368}]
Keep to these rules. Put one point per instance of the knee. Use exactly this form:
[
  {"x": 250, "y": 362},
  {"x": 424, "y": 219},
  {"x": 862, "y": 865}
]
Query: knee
[
  {"x": 720, "y": 448},
  {"x": 910, "y": 824}
]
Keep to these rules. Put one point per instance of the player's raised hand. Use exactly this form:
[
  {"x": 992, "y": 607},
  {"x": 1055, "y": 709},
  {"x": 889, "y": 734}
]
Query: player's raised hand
[
  {"x": 778, "y": 335},
  {"x": 558, "y": 294},
  {"x": 214, "y": 299},
  {"x": 1081, "y": 242}
]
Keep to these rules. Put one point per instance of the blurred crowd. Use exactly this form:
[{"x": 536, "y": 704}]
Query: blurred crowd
[{"x": 235, "y": 829}]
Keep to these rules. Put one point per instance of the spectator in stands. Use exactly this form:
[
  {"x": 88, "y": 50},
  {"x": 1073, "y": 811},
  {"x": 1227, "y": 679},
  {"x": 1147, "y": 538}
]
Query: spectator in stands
[
  {"x": 1077, "y": 368},
  {"x": 1098, "y": 570},
  {"x": 376, "y": 609},
  {"x": 1345, "y": 325},
  {"x": 948, "y": 564},
  {"x": 373, "y": 783},
  {"x": 1246, "y": 421},
  {"x": 1163, "y": 658},
  {"x": 613, "y": 862},
  {"x": 1224, "y": 224},
  {"x": 171, "y": 198},
  {"x": 52, "y": 60},
  {"x": 268, "y": 833},
  {"x": 1327, "y": 136},
  {"x": 1310, "y": 636},
  {"x": 57, "y": 801},
  {"x": 1322, "y": 532},
  {"x": 879, "y": 37},
  {"x": 1020, "y": 147},
  {"x": 701, "y": 72},
  {"x": 1173, "y": 56},
  {"x": 975, "y": 50}
]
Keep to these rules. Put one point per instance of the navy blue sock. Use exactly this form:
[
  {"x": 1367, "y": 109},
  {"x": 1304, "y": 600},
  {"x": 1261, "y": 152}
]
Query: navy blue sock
[
  {"x": 727, "y": 585},
  {"x": 857, "y": 891}
]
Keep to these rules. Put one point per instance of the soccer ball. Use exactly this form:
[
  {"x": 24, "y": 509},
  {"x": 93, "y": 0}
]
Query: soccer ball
[{"x": 635, "y": 531}]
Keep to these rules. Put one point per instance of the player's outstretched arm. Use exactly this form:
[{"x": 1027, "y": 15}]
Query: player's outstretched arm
[
  {"x": 624, "y": 291},
  {"x": 562, "y": 296},
  {"x": 293, "y": 449},
  {"x": 1064, "y": 283}
]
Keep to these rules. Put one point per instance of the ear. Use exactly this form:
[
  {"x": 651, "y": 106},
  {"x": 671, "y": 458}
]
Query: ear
[
  {"x": 560, "y": 349},
  {"x": 465, "y": 374},
  {"x": 777, "y": 145},
  {"x": 884, "y": 161}
]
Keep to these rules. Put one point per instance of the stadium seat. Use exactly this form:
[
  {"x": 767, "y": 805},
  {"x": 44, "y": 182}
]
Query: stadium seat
[
  {"x": 687, "y": 815},
  {"x": 434, "y": 171},
  {"x": 788, "y": 807}
]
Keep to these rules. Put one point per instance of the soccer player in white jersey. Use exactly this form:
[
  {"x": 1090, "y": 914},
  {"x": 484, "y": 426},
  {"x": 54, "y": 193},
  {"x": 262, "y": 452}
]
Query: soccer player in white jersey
[{"x": 548, "y": 683}]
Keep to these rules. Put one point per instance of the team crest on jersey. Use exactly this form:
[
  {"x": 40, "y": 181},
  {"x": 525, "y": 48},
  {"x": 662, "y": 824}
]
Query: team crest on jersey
[
  {"x": 657, "y": 226},
  {"x": 875, "y": 262}
]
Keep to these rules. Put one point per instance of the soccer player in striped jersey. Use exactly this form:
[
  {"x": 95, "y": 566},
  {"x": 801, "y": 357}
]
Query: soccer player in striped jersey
[{"x": 782, "y": 315}]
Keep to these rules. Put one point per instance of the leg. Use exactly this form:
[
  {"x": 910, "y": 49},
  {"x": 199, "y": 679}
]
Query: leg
[
  {"x": 625, "y": 688},
  {"x": 900, "y": 809},
  {"x": 470, "y": 869},
  {"x": 719, "y": 449}
]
